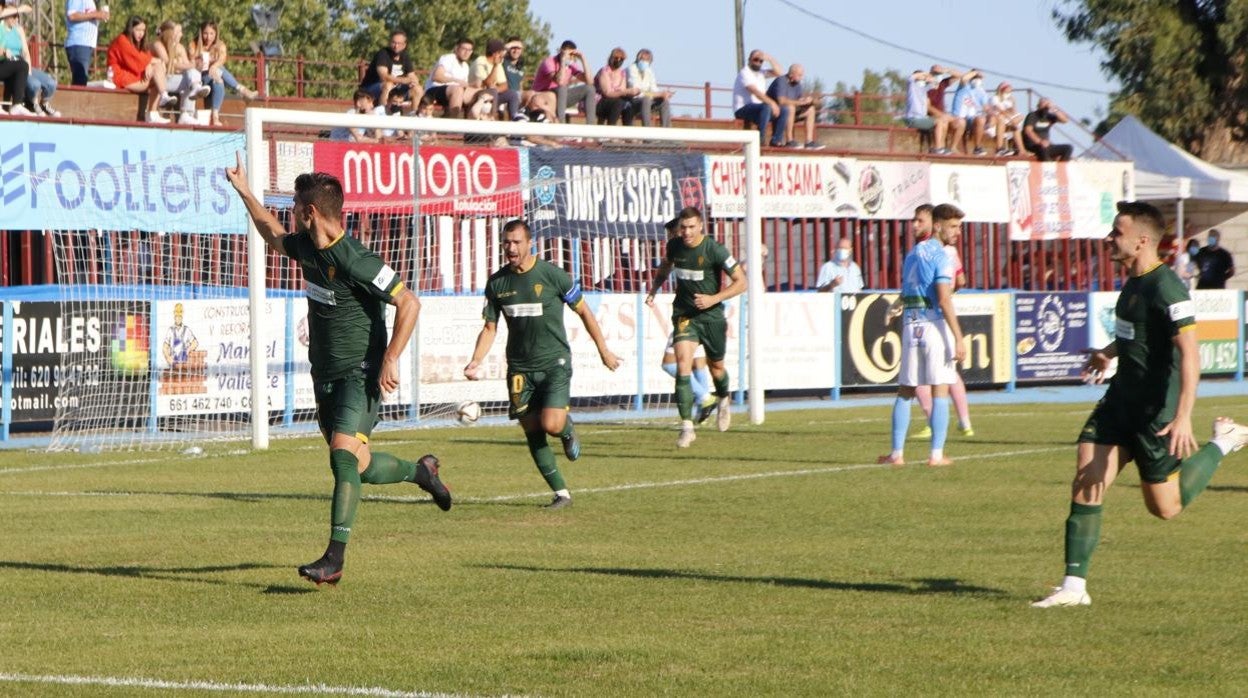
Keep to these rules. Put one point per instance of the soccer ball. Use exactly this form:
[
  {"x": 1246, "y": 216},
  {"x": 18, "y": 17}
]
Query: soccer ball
[{"x": 468, "y": 412}]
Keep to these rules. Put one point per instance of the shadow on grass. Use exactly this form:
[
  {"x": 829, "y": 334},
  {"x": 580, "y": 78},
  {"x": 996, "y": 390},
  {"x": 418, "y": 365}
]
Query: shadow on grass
[
  {"x": 1227, "y": 488},
  {"x": 165, "y": 574},
  {"x": 376, "y": 496},
  {"x": 920, "y": 586}
]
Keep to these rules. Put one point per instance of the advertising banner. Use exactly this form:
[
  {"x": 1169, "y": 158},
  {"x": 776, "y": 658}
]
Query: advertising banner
[
  {"x": 628, "y": 194},
  {"x": 790, "y": 187},
  {"x": 979, "y": 190},
  {"x": 447, "y": 181},
  {"x": 203, "y": 362},
  {"x": 301, "y": 366},
  {"x": 57, "y": 176},
  {"x": 1217, "y": 329},
  {"x": 57, "y": 357},
  {"x": 1057, "y": 200},
  {"x": 798, "y": 341},
  {"x": 872, "y": 346},
  {"x": 1051, "y": 332},
  {"x": 890, "y": 189}
]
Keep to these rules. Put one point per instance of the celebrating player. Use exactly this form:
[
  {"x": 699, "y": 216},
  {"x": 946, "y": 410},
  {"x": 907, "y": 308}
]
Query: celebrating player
[
  {"x": 931, "y": 339},
  {"x": 530, "y": 293},
  {"x": 700, "y": 380},
  {"x": 1146, "y": 414},
  {"x": 352, "y": 362},
  {"x": 697, "y": 262}
]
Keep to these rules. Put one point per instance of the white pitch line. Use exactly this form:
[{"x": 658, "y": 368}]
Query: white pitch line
[
  {"x": 831, "y": 469},
  {"x": 159, "y": 684}
]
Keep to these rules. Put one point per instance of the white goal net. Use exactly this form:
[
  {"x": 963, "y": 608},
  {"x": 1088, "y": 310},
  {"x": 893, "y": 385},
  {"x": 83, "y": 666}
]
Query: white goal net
[{"x": 194, "y": 312}]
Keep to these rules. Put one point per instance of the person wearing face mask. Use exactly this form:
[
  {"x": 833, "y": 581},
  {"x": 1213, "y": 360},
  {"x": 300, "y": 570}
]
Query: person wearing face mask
[
  {"x": 786, "y": 90},
  {"x": 566, "y": 75},
  {"x": 615, "y": 97},
  {"x": 1036, "y": 132},
  {"x": 969, "y": 102},
  {"x": 841, "y": 273},
  {"x": 750, "y": 102},
  {"x": 1005, "y": 121},
  {"x": 1185, "y": 263},
  {"x": 1215, "y": 263},
  {"x": 919, "y": 114},
  {"x": 641, "y": 76}
]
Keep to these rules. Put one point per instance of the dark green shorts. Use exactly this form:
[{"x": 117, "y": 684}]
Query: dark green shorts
[
  {"x": 532, "y": 391},
  {"x": 711, "y": 331},
  {"x": 1115, "y": 422},
  {"x": 348, "y": 405}
]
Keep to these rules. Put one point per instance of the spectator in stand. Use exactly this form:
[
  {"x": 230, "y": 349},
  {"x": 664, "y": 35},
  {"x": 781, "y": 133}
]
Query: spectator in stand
[
  {"x": 1036, "y": 132},
  {"x": 539, "y": 106},
  {"x": 448, "y": 81},
  {"x": 1215, "y": 262},
  {"x": 210, "y": 52},
  {"x": 487, "y": 73},
  {"x": 14, "y": 69},
  {"x": 750, "y": 102},
  {"x": 135, "y": 70},
  {"x": 969, "y": 101},
  {"x": 1185, "y": 262},
  {"x": 391, "y": 69},
  {"x": 919, "y": 114},
  {"x": 557, "y": 74},
  {"x": 15, "y": 48},
  {"x": 841, "y": 273},
  {"x": 940, "y": 80},
  {"x": 615, "y": 97},
  {"x": 641, "y": 76},
  {"x": 1005, "y": 122},
  {"x": 786, "y": 91},
  {"x": 182, "y": 77},
  {"x": 82, "y": 35},
  {"x": 364, "y": 104}
]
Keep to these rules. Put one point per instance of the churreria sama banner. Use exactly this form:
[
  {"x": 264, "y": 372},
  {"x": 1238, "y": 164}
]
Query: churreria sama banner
[{"x": 56, "y": 176}]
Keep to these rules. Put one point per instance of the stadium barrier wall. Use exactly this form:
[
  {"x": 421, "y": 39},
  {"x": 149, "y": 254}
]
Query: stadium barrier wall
[{"x": 814, "y": 343}]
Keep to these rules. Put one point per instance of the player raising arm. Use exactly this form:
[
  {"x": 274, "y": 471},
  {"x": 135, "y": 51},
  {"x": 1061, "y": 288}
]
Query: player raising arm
[
  {"x": 530, "y": 294},
  {"x": 353, "y": 364}
]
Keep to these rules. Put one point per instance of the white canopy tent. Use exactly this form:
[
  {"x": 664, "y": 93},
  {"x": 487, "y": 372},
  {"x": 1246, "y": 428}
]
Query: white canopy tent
[{"x": 1166, "y": 172}]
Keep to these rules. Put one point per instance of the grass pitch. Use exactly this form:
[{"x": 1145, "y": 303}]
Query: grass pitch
[{"x": 770, "y": 560}]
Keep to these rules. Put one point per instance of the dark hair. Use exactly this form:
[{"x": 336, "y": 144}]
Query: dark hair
[
  {"x": 464, "y": 40},
  {"x": 518, "y": 224},
  {"x": 1145, "y": 213},
  {"x": 689, "y": 212},
  {"x": 671, "y": 226},
  {"x": 947, "y": 212},
  {"x": 569, "y": 44},
  {"x": 363, "y": 93},
  {"x": 427, "y": 100},
  {"x": 321, "y": 190},
  {"x": 131, "y": 23},
  {"x": 923, "y": 208},
  {"x": 398, "y": 32}
]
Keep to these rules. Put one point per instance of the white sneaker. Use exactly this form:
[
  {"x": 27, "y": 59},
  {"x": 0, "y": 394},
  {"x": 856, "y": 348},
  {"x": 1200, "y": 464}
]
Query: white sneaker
[
  {"x": 188, "y": 119},
  {"x": 1063, "y": 597},
  {"x": 49, "y": 111},
  {"x": 155, "y": 118},
  {"x": 201, "y": 92},
  {"x": 20, "y": 110},
  {"x": 687, "y": 436},
  {"x": 168, "y": 99},
  {"x": 724, "y": 419},
  {"x": 1226, "y": 430}
]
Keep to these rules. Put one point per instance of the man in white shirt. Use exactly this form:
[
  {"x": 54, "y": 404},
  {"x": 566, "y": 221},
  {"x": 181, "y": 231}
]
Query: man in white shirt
[
  {"x": 841, "y": 273},
  {"x": 750, "y": 102},
  {"x": 448, "y": 81},
  {"x": 641, "y": 76}
]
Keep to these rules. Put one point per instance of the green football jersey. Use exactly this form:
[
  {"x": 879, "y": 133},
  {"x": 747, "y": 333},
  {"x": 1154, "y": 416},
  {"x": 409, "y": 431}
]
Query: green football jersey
[
  {"x": 698, "y": 269},
  {"x": 532, "y": 303},
  {"x": 1151, "y": 310},
  {"x": 347, "y": 286}
]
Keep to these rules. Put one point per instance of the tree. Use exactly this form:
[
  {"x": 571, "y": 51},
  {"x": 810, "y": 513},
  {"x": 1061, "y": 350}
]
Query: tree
[
  {"x": 874, "y": 102},
  {"x": 1181, "y": 64}
]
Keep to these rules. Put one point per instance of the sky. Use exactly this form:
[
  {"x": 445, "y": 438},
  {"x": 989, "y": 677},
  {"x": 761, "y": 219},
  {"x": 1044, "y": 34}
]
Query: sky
[{"x": 694, "y": 42}]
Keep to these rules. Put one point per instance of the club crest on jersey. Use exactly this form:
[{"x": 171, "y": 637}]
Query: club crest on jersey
[
  {"x": 682, "y": 323},
  {"x": 700, "y": 260},
  {"x": 537, "y": 289},
  {"x": 330, "y": 273}
]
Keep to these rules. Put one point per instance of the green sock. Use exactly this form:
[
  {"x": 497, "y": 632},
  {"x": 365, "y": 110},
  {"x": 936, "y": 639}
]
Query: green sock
[
  {"x": 684, "y": 397},
  {"x": 545, "y": 459},
  {"x": 721, "y": 384},
  {"x": 1083, "y": 532},
  {"x": 346, "y": 494},
  {"x": 385, "y": 469},
  {"x": 1196, "y": 470}
]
